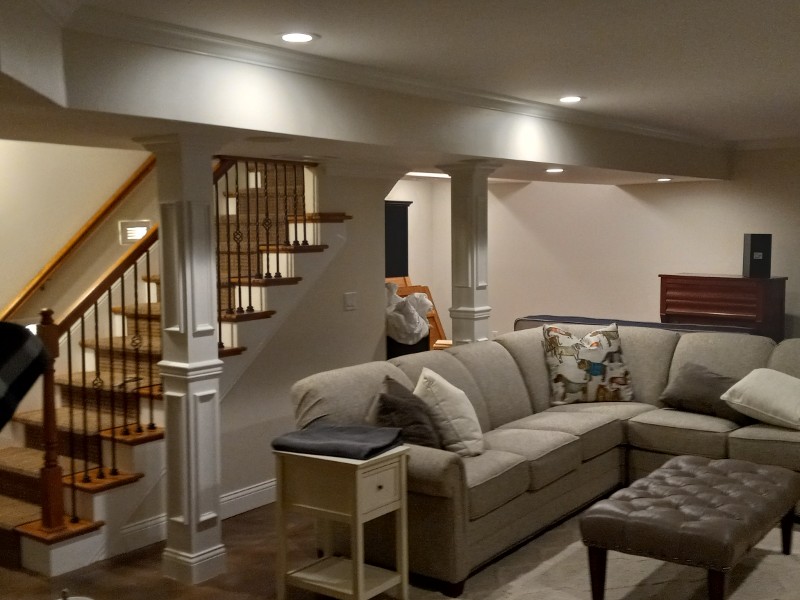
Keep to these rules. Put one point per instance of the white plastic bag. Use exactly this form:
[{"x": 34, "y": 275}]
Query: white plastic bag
[{"x": 406, "y": 318}]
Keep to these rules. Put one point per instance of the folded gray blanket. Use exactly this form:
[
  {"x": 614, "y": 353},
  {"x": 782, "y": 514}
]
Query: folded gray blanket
[
  {"x": 345, "y": 441},
  {"x": 22, "y": 359}
]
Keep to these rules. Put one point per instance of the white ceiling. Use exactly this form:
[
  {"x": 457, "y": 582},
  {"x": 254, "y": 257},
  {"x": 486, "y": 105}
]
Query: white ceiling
[{"x": 708, "y": 70}]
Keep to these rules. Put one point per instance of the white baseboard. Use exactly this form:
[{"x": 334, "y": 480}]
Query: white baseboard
[{"x": 240, "y": 501}]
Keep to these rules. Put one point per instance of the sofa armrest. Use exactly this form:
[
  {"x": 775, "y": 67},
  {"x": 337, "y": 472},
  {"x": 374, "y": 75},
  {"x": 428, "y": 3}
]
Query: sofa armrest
[{"x": 435, "y": 472}]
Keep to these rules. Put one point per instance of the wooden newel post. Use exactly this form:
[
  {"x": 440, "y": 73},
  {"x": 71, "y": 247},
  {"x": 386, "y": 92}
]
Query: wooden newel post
[{"x": 50, "y": 474}]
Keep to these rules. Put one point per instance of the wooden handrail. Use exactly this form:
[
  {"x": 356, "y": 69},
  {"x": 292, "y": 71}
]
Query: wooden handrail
[
  {"x": 88, "y": 228},
  {"x": 111, "y": 276}
]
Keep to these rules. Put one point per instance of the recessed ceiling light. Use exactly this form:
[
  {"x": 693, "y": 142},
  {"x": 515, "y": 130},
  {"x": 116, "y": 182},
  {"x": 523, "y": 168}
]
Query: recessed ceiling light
[
  {"x": 299, "y": 38},
  {"x": 570, "y": 99},
  {"x": 555, "y": 170},
  {"x": 664, "y": 179}
]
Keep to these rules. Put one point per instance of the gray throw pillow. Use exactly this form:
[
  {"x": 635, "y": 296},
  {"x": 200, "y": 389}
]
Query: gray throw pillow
[
  {"x": 399, "y": 407},
  {"x": 698, "y": 389}
]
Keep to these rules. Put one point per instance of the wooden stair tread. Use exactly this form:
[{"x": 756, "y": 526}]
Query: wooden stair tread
[
  {"x": 14, "y": 512},
  {"x": 266, "y": 282},
  {"x": 293, "y": 248},
  {"x": 240, "y": 317}
]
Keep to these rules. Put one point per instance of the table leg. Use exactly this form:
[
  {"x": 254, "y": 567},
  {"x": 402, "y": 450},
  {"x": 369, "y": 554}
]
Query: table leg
[
  {"x": 717, "y": 581},
  {"x": 597, "y": 571},
  {"x": 787, "y": 524}
]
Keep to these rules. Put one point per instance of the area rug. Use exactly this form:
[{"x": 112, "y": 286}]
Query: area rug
[{"x": 554, "y": 567}]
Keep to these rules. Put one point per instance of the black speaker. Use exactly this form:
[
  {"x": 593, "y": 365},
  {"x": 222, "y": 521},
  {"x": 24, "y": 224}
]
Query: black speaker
[{"x": 757, "y": 254}]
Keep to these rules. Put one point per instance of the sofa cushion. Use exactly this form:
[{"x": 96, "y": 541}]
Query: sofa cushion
[
  {"x": 550, "y": 454},
  {"x": 342, "y": 396},
  {"x": 695, "y": 388},
  {"x": 399, "y": 407},
  {"x": 451, "y": 369},
  {"x": 766, "y": 445},
  {"x": 493, "y": 478},
  {"x": 678, "y": 432},
  {"x": 648, "y": 355},
  {"x": 452, "y": 414},
  {"x": 526, "y": 349},
  {"x": 769, "y": 396},
  {"x": 586, "y": 369},
  {"x": 731, "y": 354},
  {"x": 498, "y": 378},
  {"x": 622, "y": 411},
  {"x": 598, "y": 433},
  {"x": 786, "y": 357}
]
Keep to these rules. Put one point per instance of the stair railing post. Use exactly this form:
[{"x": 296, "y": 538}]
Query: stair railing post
[{"x": 50, "y": 475}]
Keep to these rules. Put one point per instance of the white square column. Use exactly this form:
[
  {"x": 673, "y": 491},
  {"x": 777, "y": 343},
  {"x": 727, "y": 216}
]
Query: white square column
[
  {"x": 190, "y": 365},
  {"x": 469, "y": 191}
]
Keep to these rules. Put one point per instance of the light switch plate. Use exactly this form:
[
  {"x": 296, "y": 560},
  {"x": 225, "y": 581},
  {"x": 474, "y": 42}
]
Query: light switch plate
[{"x": 350, "y": 301}]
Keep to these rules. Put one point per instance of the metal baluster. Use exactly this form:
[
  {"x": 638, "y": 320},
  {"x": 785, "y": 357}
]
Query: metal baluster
[
  {"x": 259, "y": 264},
  {"x": 72, "y": 446},
  {"x": 112, "y": 394},
  {"x": 150, "y": 379},
  {"x": 85, "y": 402},
  {"x": 238, "y": 238},
  {"x": 249, "y": 240},
  {"x": 97, "y": 384},
  {"x": 228, "y": 236},
  {"x": 123, "y": 384},
  {"x": 277, "y": 222},
  {"x": 220, "y": 343},
  {"x": 136, "y": 342},
  {"x": 267, "y": 224}
]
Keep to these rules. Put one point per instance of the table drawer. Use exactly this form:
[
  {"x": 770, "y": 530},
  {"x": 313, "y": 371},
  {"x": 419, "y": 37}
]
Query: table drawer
[{"x": 379, "y": 487}]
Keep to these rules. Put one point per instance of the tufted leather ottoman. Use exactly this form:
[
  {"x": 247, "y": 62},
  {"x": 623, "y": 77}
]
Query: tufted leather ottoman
[{"x": 693, "y": 511}]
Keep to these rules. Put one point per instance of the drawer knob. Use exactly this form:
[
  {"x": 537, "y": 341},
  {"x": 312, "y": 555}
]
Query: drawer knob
[{"x": 380, "y": 486}]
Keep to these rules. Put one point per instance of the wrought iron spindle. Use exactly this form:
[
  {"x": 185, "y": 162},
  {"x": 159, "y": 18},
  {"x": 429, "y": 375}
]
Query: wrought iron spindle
[
  {"x": 84, "y": 403},
  {"x": 112, "y": 394},
  {"x": 249, "y": 243},
  {"x": 136, "y": 342},
  {"x": 72, "y": 445},
  {"x": 151, "y": 425},
  {"x": 97, "y": 384}
]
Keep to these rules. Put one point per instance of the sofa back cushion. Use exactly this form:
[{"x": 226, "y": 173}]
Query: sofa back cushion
[
  {"x": 343, "y": 396},
  {"x": 647, "y": 352},
  {"x": 499, "y": 378},
  {"x": 452, "y": 370},
  {"x": 730, "y": 354},
  {"x": 525, "y": 347},
  {"x": 786, "y": 357}
]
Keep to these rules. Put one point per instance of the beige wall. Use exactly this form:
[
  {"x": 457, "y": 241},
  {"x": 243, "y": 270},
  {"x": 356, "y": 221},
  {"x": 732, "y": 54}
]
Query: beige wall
[
  {"x": 598, "y": 250},
  {"x": 47, "y": 193},
  {"x": 319, "y": 335}
]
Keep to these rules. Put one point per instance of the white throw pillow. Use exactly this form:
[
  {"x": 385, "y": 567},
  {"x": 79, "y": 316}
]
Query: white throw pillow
[
  {"x": 452, "y": 413},
  {"x": 767, "y": 395}
]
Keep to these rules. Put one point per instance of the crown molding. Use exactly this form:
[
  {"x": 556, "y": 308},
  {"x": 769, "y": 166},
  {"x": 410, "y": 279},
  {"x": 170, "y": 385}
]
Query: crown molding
[{"x": 184, "y": 39}]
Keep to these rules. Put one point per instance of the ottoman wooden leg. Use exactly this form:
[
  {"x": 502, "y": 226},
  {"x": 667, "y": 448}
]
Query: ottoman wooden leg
[
  {"x": 597, "y": 571},
  {"x": 787, "y": 524},
  {"x": 717, "y": 581}
]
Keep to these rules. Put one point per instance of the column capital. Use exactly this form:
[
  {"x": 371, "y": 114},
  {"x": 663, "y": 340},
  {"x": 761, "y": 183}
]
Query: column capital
[{"x": 470, "y": 167}]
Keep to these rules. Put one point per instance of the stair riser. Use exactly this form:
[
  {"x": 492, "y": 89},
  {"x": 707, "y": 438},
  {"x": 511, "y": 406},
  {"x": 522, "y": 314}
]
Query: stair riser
[
  {"x": 125, "y": 364},
  {"x": 21, "y": 487},
  {"x": 84, "y": 446},
  {"x": 147, "y": 328},
  {"x": 105, "y": 400}
]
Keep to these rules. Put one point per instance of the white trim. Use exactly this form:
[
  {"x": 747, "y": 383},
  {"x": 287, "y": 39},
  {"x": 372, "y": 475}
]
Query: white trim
[{"x": 246, "y": 499}]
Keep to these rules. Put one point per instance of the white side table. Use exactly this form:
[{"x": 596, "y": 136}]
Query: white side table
[{"x": 348, "y": 491}]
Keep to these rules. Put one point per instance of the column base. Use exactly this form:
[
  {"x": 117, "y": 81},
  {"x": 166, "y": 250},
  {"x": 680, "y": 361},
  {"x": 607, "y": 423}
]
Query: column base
[{"x": 194, "y": 568}]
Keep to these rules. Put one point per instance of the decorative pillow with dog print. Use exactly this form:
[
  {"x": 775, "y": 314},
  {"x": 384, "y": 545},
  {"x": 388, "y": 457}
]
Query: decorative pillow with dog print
[{"x": 587, "y": 369}]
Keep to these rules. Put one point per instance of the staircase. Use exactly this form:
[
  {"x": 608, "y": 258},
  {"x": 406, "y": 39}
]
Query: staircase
[{"x": 107, "y": 439}]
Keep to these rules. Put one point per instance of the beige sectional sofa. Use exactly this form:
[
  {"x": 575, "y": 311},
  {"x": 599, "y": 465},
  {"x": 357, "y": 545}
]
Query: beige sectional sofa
[{"x": 542, "y": 463}]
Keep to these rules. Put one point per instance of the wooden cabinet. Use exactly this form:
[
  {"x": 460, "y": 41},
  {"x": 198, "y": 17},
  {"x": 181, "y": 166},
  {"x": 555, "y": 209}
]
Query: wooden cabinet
[
  {"x": 752, "y": 302},
  {"x": 333, "y": 489}
]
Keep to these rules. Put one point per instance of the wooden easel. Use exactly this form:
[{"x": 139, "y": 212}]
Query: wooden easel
[{"x": 437, "y": 339}]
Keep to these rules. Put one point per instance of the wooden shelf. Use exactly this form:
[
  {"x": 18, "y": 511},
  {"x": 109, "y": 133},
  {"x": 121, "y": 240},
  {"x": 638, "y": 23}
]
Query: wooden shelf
[{"x": 333, "y": 576}]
